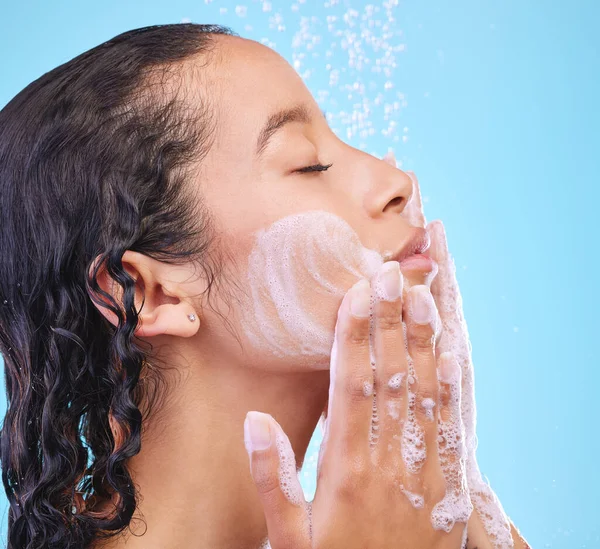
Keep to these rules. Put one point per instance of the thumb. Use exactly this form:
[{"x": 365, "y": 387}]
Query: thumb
[{"x": 273, "y": 469}]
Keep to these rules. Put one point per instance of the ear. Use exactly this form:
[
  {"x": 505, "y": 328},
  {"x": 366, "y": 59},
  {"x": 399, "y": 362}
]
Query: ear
[{"x": 160, "y": 287}]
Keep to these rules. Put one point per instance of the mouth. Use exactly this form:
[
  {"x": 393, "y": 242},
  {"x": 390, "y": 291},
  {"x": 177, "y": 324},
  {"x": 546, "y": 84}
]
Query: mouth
[{"x": 414, "y": 255}]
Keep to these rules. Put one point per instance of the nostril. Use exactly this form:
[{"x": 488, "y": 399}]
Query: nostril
[{"x": 394, "y": 202}]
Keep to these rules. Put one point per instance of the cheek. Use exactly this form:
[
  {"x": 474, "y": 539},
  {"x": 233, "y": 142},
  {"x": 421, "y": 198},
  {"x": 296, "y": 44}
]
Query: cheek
[{"x": 298, "y": 272}]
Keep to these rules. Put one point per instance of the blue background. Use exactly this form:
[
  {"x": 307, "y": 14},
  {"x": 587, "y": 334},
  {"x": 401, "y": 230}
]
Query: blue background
[{"x": 494, "y": 106}]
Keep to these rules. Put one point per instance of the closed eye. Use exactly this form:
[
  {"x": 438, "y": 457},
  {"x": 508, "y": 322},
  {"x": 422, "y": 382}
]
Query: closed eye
[{"x": 314, "y": 168}]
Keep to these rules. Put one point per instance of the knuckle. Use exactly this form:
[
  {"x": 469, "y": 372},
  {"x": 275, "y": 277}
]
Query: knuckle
[
  {"x": 434, "y": 487},
  {"x": 426, "y": 403},
  {"x": 389, "y": 321},
  {"x": 356, "y": 333},
  {"x": 393, "y": 381},
  {"x": 444, "y": 396},
  {"x": 420, "y": 339},
  {"x": 427, "y": 390},
  {"x": 358, "y": 388},
  {"x": 345, "y": 491},
  {"x": 354, "y": 480},
  {"x": 267, "y": 481},
  {"x": 270, "y": 495},
  {"x": 392, "y": 471}
]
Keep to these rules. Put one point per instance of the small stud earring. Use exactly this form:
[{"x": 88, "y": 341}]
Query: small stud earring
[{"x": 192, "y": 317}]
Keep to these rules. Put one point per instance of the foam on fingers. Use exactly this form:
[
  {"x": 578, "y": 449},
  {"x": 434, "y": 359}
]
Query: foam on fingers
[
  {"x": 456, "y": 504},
  {"x": 454, "y": 338},
  {"x": 288, "y": 475}
]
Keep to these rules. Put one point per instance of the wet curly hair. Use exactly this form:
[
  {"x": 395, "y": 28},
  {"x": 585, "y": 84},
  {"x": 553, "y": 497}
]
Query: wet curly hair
[{"x": 93, "y": 159}]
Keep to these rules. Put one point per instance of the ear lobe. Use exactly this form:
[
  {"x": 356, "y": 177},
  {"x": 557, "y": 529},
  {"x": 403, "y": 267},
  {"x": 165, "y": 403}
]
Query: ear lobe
[{"x": 167, "y": 319}]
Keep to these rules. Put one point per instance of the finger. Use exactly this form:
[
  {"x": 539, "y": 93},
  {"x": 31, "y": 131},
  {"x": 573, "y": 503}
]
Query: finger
[
  {"x": 454, "y": 335},
  {"x": 449, "y": 396},
  {"x": 455, "y": 338},
  {"x": 455, "y": 506},
  {"x": 323, "y": 425},
  {"x": 413, "y": 211},
  {"x": 350, "y": 408},
  {"x": 391, "y": 366},
  {"x": 273, "y": 469},
  {"x": 451, "y": 429},
  {"x": 421, "y": 425},
  {"x": 438, "y": 251},
  {"x": 444, "y": 289}
]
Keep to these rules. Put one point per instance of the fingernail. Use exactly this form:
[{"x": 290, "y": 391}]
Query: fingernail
[
  {"x": 389, "y": 281},
  {"x": 449, "y": 368},
  {"x": 421, "y": 306},
  {"x": 438, "y": 240},
  {"x": 360, "y": 299},
  {"x": 257, "y": 431}
]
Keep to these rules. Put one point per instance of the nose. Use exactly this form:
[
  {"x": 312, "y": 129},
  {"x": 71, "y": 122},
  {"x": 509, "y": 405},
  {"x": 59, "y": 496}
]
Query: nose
[{"x": 390, "y": 191}]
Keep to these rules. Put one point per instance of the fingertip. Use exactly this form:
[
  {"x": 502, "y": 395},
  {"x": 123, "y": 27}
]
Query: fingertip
[
  {"x": 421, "y": 306},
  {"x": 439, "y": 243},
  {"x": 449, "y": 368},
  {"x": 388, "y": 282},
  {"x": 438, "y": 229},
  {"x": 360, "y": 299},
  {"x": 258, "y": 433},
  {"x": 434, "y": 222}
]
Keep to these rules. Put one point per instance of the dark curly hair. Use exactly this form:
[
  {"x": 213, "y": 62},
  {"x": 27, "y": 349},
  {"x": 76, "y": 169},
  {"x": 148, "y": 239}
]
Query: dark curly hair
[{"x": 93, "y": 159}]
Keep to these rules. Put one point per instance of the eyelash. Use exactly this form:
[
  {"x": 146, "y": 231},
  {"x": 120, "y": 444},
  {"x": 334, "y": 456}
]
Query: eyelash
[{"x": 315, "y": 168}]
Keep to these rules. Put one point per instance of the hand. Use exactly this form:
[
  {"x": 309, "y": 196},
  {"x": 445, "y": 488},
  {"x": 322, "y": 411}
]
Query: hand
[
  {"x": 490, "y": 516},
  {"x": 381, "y": 482},
  {"x": 489, "y": 526}
]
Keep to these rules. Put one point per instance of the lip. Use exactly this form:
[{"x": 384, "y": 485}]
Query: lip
[
  {"x": 414, "y": 254},
  {"x": 418, "y": 243},
  {"x": 417, "y": 262}
]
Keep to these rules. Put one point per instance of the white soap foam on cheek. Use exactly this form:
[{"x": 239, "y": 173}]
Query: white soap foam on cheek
[{"x": 294, "y": 264}]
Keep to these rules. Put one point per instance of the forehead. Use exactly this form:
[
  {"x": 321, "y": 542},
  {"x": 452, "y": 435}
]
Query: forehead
[
  {"x": 243, "y": 66},
  {"x": 250, "y": 81}
]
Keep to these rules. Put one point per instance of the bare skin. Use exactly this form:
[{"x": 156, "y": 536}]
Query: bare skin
[
  {"x": 478, "y": 537},
  {"x": 192, "y": 473}
]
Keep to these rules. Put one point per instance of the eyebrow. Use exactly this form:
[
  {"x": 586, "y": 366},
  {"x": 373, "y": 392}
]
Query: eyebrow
[{"x": 297, "y": 113}]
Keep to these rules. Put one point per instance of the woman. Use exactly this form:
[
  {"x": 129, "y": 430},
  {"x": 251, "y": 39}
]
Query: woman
[{"x": 179, "y": 227}]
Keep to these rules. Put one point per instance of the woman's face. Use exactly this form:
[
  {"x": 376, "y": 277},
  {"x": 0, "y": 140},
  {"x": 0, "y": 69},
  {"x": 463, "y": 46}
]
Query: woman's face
[{"x": 295, "y": 241}]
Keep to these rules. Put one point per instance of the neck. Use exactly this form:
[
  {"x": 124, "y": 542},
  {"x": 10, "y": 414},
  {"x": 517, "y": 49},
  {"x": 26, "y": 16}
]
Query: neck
[{"x": 193, "y": 470}]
